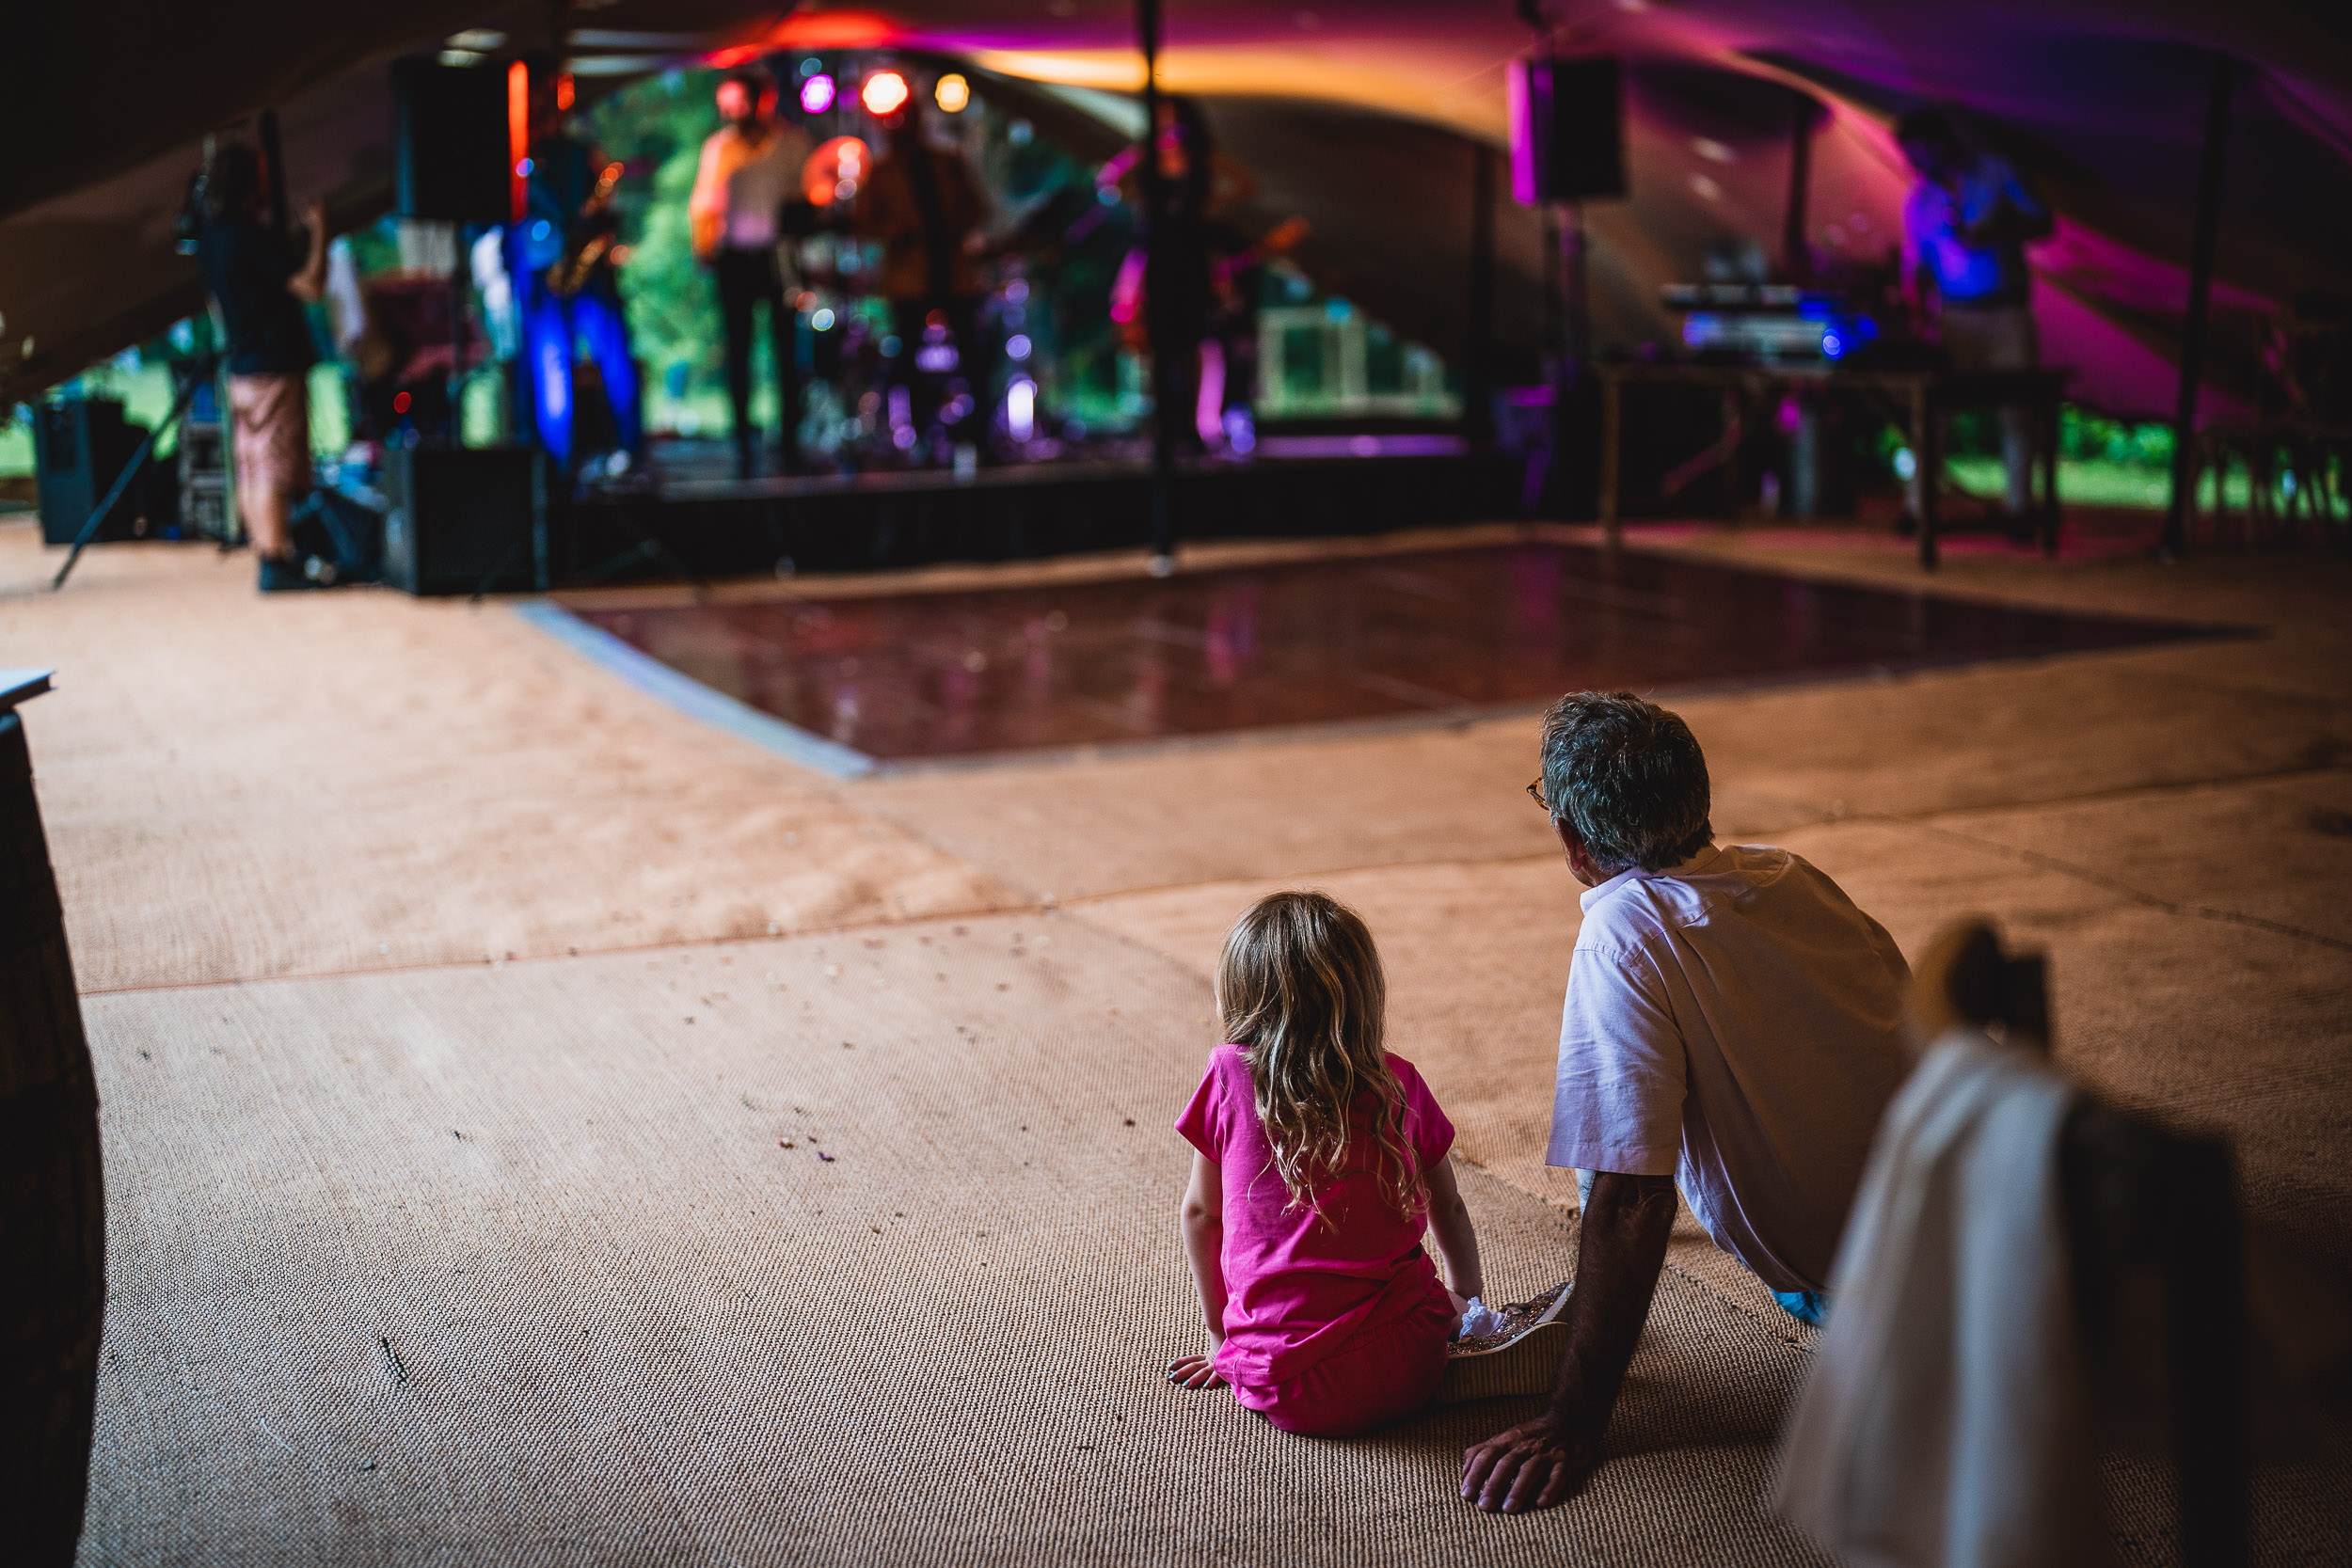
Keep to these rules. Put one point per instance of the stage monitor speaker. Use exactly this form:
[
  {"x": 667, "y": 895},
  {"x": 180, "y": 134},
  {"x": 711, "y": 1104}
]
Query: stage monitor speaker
[
  {"x": 1567, "y": 129},
  {"x": 448, "y": 142},
  {"x": 464, "y": 520},
  {"x": 79, "y": 446}
]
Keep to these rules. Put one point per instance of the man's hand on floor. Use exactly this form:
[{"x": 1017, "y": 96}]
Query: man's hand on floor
[{"x": 1533, "y": 1465}]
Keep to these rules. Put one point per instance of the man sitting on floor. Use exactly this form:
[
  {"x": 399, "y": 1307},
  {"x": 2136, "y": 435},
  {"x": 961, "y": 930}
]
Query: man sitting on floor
[{"x": 1732, "y": 1023}]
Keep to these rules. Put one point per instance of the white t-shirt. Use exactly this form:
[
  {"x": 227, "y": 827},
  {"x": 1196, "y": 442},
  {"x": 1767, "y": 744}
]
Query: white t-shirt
[
  {"x": 1734, "y": 1021},
  {"x": 748, "y": 185}
]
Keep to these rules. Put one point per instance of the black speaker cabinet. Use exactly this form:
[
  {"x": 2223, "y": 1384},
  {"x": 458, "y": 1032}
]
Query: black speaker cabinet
[
  {"x": 464, "y": 520},
  {"x": 79, "y": 446},
  {"x": 448, "y": 142},
  {"x": 1567, "y": 129}
]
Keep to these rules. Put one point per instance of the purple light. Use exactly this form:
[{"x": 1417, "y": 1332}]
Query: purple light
[{"x": 817, "y": 94}]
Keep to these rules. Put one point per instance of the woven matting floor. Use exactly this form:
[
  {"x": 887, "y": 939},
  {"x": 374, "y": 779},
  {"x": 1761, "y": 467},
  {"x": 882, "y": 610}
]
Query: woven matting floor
[{"x": 439, "y": 1233}]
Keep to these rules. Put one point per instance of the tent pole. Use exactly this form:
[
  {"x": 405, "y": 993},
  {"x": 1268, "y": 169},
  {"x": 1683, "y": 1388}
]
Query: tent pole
[
  {"x": 1478, "y": 412},
  {"x": 2193, "y": 328},
  {"x": 1796, "y": 261},
  {"x": 1163, "y": 346}
]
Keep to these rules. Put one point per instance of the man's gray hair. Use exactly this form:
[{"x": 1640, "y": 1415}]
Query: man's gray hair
[{"x": 1628, "y": 777}]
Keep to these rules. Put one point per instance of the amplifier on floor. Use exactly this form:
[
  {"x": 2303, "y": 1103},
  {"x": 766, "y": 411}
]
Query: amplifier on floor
[
  {"x": 79, "y": 448},
  {"x": 465, "y": 520}
]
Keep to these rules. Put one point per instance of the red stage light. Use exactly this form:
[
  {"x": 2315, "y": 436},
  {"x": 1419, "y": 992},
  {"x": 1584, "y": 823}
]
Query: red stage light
[
  {"x": 517, "y": 137},
  {"x": 399, "y": 403},
  {"x": 832, "y": 172},
  {"x": 884, "y": 93}
]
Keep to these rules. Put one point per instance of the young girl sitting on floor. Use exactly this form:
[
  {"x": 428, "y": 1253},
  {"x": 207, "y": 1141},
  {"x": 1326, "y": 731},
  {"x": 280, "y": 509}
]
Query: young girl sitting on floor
[{"x": 1320, "y": 1158}]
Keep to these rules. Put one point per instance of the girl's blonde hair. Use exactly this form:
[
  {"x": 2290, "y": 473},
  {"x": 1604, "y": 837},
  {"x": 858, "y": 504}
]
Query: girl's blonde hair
[{"x": 1303, "y": 996}]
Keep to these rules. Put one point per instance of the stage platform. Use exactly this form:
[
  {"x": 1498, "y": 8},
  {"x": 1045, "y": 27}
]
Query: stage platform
[
  {"x": 870, "y": 682},
  {"x": 695, "y": 521}
]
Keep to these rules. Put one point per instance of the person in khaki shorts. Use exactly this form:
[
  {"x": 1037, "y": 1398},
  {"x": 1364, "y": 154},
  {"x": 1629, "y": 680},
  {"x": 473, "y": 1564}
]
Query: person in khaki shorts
[{"x": 260, "y": 286}]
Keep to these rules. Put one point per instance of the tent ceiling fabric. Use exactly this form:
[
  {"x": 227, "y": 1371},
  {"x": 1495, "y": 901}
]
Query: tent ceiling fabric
[{"x": 2103, "y": 99}]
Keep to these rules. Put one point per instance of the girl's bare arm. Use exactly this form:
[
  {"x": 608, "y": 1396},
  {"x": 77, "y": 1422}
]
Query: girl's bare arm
[
  {"x": 1456, "y": 1238},
  {"x": 1201, "y": 1223},
  {"x": 1204, "y": 1239}
]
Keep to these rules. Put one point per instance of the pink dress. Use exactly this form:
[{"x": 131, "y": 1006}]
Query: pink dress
[{"x": 1334, "y": 1322}]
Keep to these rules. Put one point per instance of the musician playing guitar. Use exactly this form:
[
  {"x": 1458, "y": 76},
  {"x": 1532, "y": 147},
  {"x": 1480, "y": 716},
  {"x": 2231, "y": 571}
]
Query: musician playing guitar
[{"x": 560, "y": 259}]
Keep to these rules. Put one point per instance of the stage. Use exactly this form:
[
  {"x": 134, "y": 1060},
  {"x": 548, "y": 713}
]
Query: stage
[{"x": 694, "y": 521}]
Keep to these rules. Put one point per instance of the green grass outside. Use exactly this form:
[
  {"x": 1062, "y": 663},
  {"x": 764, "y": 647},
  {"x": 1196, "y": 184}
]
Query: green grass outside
[{"x": 2096, "y": 481}]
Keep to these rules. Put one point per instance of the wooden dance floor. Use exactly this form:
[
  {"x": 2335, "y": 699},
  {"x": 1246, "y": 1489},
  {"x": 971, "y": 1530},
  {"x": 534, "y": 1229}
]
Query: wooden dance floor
[{"x": 1434, "y": 634}]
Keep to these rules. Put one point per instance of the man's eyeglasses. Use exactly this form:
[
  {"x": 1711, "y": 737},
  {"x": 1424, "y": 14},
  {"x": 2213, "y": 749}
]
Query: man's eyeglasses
[{"x": 1536, "y": 793}]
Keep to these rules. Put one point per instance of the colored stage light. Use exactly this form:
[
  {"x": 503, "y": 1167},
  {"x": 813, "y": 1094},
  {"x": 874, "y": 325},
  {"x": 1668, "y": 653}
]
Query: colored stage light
[
  {"x": 399, "y": 403},
  {"x": 518, "y": 139},
  {"x": 954, "y": 92},
  {"x": 884, "y": 93},
  {"x": 832, "y": 172},
  {"x": 817, "y": 94}
]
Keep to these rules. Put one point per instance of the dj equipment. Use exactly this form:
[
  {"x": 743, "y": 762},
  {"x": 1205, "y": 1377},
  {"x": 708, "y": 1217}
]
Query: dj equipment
[
  {"x": 1768, "y": 321},
  {"x": 1567, "y": 129},
  {"x": 449, "y": 142},
  {"x": 464, "y": 520},
  {"x": 79, "y": 446}
]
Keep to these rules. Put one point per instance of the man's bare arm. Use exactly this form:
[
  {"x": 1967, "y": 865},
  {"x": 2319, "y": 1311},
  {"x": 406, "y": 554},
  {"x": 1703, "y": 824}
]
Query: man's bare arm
[
  {"x": 1619, "y": 1254},
  {"x": 310, "y": 284}
]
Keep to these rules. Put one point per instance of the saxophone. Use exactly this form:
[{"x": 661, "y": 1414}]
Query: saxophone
[{"x": 590, "y": 241}]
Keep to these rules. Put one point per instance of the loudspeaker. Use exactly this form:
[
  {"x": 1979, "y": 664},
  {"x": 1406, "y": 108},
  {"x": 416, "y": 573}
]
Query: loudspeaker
[
  {"x": 464, "y": 520},
  {"x": 79, "y": 446},
  {"x": 448, "y": 142},
  {"x": 1567, "y": 129}
]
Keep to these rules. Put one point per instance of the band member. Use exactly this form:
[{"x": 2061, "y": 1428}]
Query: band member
[
  {"x": 924, "y": 207},
  {"x": 751, "y": 167},
  {"x": 260, "y": 283},
  {"x": 565, "y": 298}
]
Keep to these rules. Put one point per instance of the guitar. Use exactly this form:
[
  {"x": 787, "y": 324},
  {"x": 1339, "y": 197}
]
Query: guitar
[{"x": 589, "y": 241}]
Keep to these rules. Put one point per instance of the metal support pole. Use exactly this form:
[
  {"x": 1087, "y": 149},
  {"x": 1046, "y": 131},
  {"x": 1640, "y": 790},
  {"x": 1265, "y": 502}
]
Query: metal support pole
[
  {"x": 1576, "y": 307},
  {"x": 2193, "y": 327},
  {"x": 1164, "y": 377},
  {"x": 1478, "y": 412},
  {"x": 1796, "y": 257}
]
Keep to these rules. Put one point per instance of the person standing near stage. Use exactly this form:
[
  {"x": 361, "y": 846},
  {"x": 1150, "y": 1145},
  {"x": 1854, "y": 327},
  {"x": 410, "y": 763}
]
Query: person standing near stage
[
  {"x": 923, "y": 205},
  {"x": 751, "y": 167},
  {"x": 565, "y": 295},
  {"x": 1967, "y": 222},
  {"x": 260, "y": 283}
]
